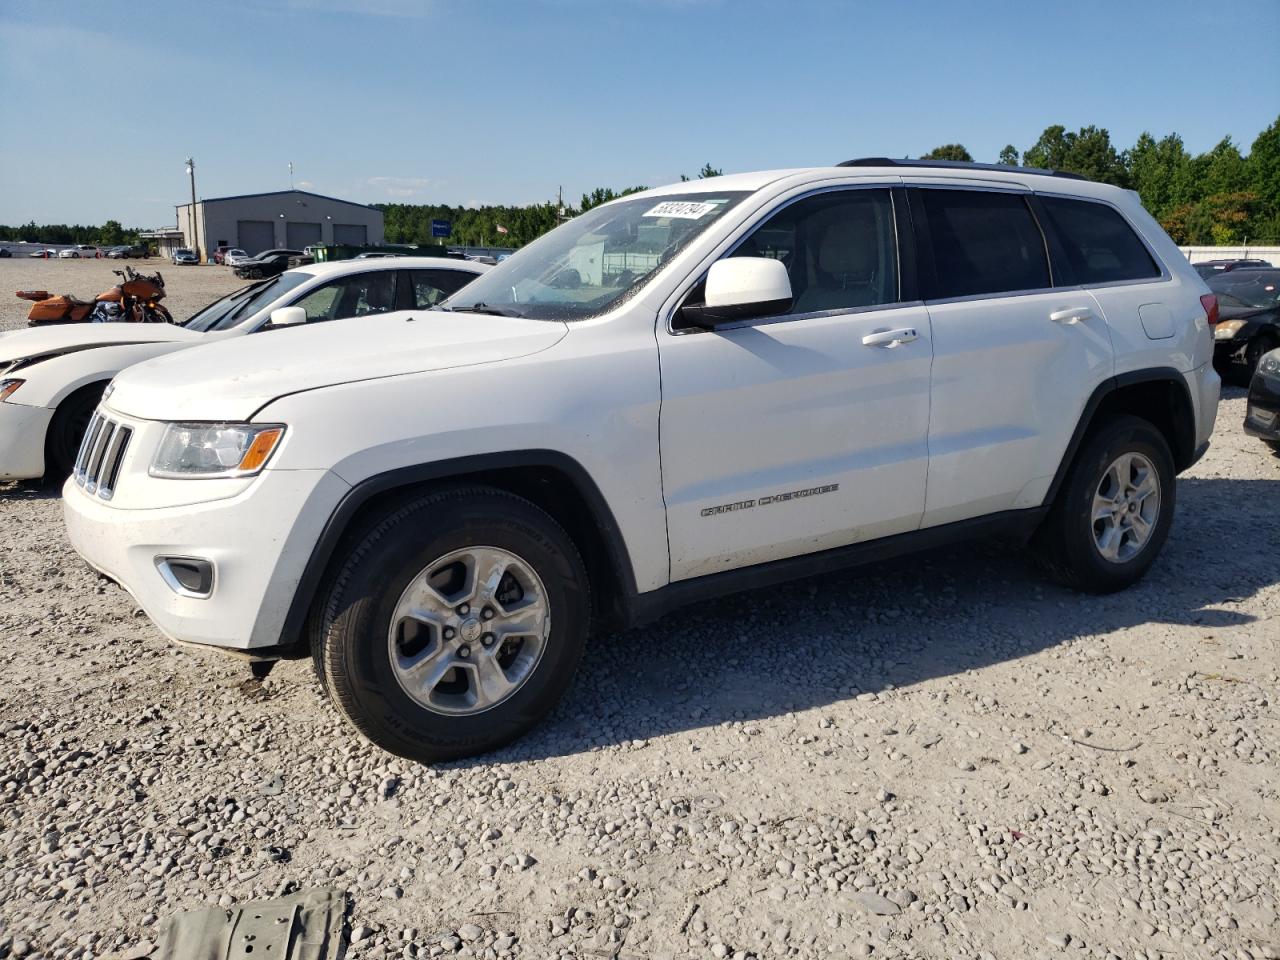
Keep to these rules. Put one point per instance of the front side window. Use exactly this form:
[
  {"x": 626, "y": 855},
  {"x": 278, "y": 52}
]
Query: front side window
[
  {"x": 983, "y": 242},
  {"x": 431, "y": 287},
  {"x": 598, "y": 259},
  {"x": 1100, "y": 245},
  {"x": 355, "y": 296},
  {"x": 840, "y": 250}
]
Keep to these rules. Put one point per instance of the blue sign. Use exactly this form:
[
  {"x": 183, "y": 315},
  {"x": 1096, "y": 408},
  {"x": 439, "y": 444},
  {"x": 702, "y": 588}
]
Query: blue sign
[{"x": 441, "y": 228}]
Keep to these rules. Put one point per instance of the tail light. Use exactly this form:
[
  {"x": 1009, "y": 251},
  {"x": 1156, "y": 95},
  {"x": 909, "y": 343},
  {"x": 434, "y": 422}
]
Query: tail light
[{"x": 1210, "y": 303}]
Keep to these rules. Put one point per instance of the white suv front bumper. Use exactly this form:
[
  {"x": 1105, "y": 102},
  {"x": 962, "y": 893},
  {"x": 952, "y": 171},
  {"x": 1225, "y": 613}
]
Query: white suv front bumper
[{"x": 258, "y": 541}]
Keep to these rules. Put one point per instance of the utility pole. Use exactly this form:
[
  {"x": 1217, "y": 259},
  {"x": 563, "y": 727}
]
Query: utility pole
[
  {"x": 195, "y": 230},
  {"x": 290, "y": 174}
]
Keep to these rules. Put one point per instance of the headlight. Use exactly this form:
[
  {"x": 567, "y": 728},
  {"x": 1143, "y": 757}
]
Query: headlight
[
  {"x": 7, "y": 388},
  {"x": 1269, "y": 365},
  {"x": 1228, "y": 329},
  {"x": 190, "y": 450}
]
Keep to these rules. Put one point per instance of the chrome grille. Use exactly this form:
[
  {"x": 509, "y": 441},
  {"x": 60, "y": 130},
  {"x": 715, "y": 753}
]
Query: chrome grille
[{"x": 101, "y": 454}]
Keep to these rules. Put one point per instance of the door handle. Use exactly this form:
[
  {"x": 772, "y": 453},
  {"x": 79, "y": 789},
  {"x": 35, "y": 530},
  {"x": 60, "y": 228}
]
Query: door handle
[
  {"x": 1071, "y": 315},
  {"x": 890, "y": 338}
]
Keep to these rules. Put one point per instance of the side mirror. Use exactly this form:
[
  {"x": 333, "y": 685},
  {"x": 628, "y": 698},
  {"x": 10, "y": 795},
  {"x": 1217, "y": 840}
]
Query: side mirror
[
  {"x": 740, "y": 288},
  {"x": 288, "y": 316}
]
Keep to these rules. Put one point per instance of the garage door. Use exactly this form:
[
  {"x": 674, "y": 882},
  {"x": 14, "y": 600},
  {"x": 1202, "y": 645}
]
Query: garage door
[
  {"x": 299, "y": 235},
  {"x": 356, "y": 234},
  {"x": 254, "y": 236}
]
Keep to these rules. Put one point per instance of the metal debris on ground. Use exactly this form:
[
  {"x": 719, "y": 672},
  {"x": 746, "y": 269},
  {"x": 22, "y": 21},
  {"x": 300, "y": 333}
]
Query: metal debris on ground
[{"x": 302, "y": 926}]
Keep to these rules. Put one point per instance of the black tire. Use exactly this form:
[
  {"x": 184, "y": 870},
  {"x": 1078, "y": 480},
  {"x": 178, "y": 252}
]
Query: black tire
[
  {"x": 66, "y": 430},
  {"x": 351, "y": 625},
  {"x": 1065, "y": 543},
  {"x": 1255, "y": 350}
]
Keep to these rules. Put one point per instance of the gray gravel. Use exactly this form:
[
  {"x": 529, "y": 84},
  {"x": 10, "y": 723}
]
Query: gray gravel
[{"x": 941, "y": 757}]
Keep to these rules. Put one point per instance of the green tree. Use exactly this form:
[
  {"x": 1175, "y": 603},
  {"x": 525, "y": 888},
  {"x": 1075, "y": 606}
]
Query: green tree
[
  {"x": 112, "y": 234},
  {"x": 948, "y": 151},
  {"x": 603, "y": 195},
  {"x": 1162, "y": 173},
  {"x": 1088, "y": 152},
  {"x": 1008, "y": 156},
  {"x": 706, "y": 173}
]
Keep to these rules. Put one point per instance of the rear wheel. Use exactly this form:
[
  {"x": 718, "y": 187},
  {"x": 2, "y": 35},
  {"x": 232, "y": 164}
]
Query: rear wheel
[
  {"x": 66, "y": 430},
  {"x": 1113, "y": 513},
  {"x": 454, "y": 623}
]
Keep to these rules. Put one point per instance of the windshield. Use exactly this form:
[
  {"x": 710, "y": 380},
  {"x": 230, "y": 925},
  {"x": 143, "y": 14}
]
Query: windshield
[
  {"x": 1254, "y": 289},
  {"x": 592, "y": 263},
  {"x": 237, "y": 307}
]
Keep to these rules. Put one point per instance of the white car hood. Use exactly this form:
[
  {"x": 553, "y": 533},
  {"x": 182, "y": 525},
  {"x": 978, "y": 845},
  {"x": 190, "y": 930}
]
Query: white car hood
[
  {"x": 67, "y": 337},
  {"x": 232, "y": 379}
]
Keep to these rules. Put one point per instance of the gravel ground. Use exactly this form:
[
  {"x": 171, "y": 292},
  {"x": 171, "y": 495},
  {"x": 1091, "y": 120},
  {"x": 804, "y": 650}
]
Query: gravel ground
[{"x": 941, "y": 757}]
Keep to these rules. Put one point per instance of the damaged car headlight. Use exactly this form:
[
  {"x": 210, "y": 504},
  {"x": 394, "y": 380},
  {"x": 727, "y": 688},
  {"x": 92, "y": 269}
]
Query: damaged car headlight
[
  {"x": 8, "y": 388},
  {"x": 191, "y": 450},
  {"x": 1228, "y": 329}
]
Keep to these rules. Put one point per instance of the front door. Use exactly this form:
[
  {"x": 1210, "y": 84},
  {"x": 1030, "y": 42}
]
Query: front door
[{"x": 797, "y": 433}]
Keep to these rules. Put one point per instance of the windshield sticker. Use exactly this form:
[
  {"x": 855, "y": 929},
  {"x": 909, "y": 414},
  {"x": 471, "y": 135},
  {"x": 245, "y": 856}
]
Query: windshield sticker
[{"x": 682, "y": 209}]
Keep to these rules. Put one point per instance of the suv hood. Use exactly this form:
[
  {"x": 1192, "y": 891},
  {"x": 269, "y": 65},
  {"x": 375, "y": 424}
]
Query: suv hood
[
  {"x": 68, "y": 337},
  {"x": 232, "y": 379}
]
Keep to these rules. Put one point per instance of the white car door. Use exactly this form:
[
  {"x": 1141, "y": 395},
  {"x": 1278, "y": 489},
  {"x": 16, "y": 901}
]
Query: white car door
[
  {"x": 1015, "y": 360},
  {"x": 796, "y": 433}
]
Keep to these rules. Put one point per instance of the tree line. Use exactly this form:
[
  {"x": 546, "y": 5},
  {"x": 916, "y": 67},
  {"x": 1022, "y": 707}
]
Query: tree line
[
  {"x": 110, "y": 234},
  {"x": 1221, "y": 197}
]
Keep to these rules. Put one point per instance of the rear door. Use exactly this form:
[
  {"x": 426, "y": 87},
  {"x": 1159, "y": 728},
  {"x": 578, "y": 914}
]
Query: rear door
[
  {"x": 795, "y": 433},
  {"x": 1014, "y": 359}
]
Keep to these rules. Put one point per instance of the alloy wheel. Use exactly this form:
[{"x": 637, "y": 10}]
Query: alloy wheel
[
  {"x": 1126, "y": 506},
  {"x": 469, "y": 631}
]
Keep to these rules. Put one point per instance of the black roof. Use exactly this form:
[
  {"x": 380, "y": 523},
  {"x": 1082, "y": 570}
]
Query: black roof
[{"x": 958, "y": 165}]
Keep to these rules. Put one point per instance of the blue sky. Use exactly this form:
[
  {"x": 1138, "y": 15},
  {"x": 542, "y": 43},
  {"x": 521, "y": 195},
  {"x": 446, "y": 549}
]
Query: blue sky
[{"x": 501, "y": 101}]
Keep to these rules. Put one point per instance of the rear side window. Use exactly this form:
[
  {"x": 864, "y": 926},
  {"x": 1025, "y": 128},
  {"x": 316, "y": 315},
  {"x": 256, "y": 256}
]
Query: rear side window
[
  {"x": 1100, "y": 245},
  {"x": 432, "y": 286},
  {"x": 983, "y": 243}
]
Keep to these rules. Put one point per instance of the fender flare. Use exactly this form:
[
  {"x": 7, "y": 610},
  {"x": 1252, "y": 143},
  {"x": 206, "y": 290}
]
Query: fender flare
[
  {"x": 292, "y": 636},
  {"x": 1100, "y": 393}
]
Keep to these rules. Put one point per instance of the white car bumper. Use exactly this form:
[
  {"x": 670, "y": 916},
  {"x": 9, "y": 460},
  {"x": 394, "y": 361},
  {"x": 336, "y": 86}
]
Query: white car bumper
[
  {"x": 257, "y": 542},
  {"x": 22, "y": 434}
]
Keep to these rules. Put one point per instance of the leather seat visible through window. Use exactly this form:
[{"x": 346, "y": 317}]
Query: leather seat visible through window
[{"x": 845, "y": 271}]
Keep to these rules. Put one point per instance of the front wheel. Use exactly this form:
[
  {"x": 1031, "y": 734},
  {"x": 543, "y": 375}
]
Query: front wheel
[
  {"x": 66, "y": 430},
  {"x": 1113, "y": 513},
  {"x": 453, "y": 624}
]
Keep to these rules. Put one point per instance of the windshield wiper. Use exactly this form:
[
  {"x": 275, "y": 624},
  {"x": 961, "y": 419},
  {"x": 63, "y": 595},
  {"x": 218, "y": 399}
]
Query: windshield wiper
[{"x": 486, "y": 309}]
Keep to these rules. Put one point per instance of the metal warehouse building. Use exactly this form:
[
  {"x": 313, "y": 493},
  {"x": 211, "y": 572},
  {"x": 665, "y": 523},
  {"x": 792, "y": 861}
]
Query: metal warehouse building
[{"x": 288, "y": 218}]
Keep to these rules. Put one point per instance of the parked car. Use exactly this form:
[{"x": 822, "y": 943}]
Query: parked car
[
  {"x": 234, "y": 257},
  {"x": 52, "y": 378},
  {"x": 681, "y": 393},
  {"x": 1262, "y": 416},
  {"x": 46, "y": 254},
  {"x": 183, "y": 256},
  {"x": 1249, "y": 320},
  {"x": 5, "y": 252},
  {"x": 1209, "y": 268},
  {"x": 268, "y": 263},
  {"x": 219, "y": 255},
  {"x": 127, "y": 252},
  {"x": 83, "y": 250}
]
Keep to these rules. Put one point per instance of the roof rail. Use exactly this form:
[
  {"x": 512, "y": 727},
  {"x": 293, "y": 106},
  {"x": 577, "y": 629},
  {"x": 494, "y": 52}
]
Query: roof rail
[{"x": 958, "y": 165}]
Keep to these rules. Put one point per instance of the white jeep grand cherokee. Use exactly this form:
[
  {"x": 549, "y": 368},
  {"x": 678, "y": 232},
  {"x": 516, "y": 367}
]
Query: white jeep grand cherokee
[{"x": 689, "y": 391}]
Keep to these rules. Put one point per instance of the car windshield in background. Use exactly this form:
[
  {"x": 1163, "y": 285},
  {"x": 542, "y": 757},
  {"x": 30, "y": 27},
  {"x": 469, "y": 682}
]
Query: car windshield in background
[
  {"x": 244, "y": 303},
  {"x": 596, "y": 260},
  {"x": 1256, "y": 289}
]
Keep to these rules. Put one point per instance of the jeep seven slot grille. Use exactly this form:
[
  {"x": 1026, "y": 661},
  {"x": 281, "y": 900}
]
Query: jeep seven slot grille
[{"x": 101, "y": 454}]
